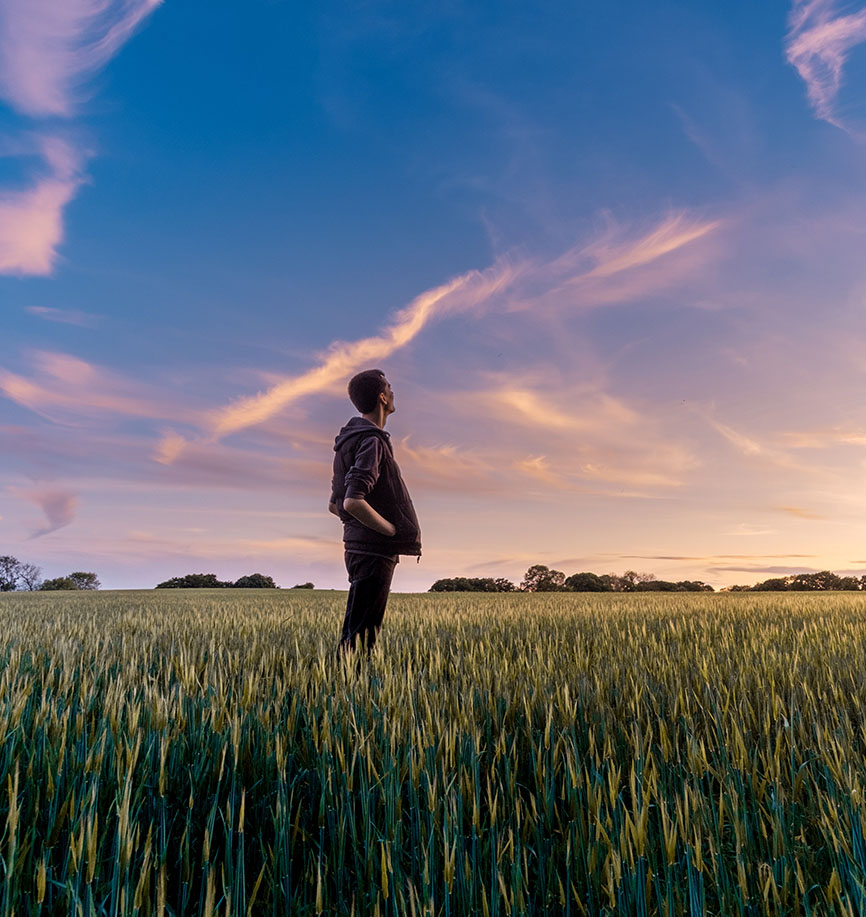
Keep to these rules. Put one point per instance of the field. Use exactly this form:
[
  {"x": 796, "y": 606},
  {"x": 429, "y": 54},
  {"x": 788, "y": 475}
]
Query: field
[{"x": 202, "y": 752}]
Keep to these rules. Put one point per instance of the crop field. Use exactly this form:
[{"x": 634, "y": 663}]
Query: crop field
[{"x": 203, "y": 752}]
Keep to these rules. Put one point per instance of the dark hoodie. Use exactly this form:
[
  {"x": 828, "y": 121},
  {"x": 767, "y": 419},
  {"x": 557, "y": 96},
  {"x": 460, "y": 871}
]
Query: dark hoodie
[{"x": 365, "y": 468}]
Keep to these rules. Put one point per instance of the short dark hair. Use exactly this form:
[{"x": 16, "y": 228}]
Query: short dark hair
[{"x": 365, "y": 388}]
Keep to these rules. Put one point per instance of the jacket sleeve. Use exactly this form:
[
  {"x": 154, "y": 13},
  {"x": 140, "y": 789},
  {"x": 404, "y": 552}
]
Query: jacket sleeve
[
  {"x": 362, "y": 476},
  {"x": 336, "y": 481}
]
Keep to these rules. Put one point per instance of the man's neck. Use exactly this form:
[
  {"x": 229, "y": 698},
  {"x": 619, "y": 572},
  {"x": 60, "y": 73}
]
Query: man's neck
[{"x": 377, "y": 417}]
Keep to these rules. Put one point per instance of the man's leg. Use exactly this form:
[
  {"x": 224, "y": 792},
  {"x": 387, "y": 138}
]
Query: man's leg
[{"x": 370, "y": 584}]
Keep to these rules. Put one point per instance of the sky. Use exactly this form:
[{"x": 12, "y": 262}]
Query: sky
[{"x": 610, "y": 257}]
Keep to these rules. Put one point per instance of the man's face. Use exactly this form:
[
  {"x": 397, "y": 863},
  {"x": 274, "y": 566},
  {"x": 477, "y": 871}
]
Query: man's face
[{"x": 389, "y": 396}]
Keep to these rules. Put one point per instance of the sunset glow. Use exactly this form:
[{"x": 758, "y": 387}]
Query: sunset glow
[{"x": 612, "y": 264}]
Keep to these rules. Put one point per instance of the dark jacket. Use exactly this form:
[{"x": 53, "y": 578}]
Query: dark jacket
[{"x": 365, "y": 468}]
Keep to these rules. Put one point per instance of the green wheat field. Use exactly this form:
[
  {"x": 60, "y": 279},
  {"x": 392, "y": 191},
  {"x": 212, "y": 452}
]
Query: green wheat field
[{"x": 203, "y": 752}]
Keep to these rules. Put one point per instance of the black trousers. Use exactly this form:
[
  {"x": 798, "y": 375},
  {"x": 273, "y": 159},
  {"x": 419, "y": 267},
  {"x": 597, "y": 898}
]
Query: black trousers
[{"x": 369, "y": 586}]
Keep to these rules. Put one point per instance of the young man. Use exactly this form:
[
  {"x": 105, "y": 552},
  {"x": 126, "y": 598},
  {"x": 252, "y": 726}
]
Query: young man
[{"x": 369, "y": 496}]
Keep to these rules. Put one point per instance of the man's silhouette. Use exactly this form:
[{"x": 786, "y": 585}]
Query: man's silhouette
[{"x": 369, "y": 496}]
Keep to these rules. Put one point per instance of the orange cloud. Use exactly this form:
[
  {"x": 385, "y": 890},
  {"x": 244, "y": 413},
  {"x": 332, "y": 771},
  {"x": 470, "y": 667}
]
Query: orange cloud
[
  {"x": 445, "y": 467},
  {"x": 799, "y": 512},
  {"x": 588, "y": 435}
]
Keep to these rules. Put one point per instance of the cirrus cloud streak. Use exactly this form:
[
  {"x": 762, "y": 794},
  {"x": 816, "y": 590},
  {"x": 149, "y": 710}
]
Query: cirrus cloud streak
[{"x": 607, "y": 270}]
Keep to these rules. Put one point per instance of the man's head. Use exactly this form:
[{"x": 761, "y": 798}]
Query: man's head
[{"x": 369, "y": 389}]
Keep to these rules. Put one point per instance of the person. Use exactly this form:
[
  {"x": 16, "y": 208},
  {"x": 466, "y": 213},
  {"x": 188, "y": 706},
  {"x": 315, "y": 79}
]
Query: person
[{"x": 373, "y": 503}]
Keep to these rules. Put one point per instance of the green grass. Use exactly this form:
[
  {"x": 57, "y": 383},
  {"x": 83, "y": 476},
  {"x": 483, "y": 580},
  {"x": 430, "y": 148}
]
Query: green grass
[{"x": 202, "y": 752}]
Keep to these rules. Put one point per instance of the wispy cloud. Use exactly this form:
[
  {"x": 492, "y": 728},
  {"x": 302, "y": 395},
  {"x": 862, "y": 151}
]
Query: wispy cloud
[
  {"x": 752, "y": 448},
  {"x": 447, "y": 467},
  {"x": 818, "y": 43},
  {"x": 616, "y": 444},
  {"x": 49, "y": 49},
  {"x": 342, "y": 358},
  {"x": 824, "y": 439},
  {"x": 624, "y": 263},
  {"x": 757, "y": 568},
  {"x": 31, "y": 219},
  {"x": 613, "y": 255},
  {"x": 59, "y": 506},
  {"x": 65, "y": 389},
  {"x": 65, "y": 316},
  {"x": 799, "y": 512},
  {"x": 715, "y": 558},
  {"x": 587, "y": 269}
]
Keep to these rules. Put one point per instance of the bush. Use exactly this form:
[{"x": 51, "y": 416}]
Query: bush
[
  {"x": 64, "y": 583},
  {"x": 304, "y": 586},
  {"x": 587, "y": 582},
  {"x": 472, "y": 584},
  {"x": 256, "y": 581},
  {"x": 85, "y": 580},
  {"x": 195, "y": 581}
]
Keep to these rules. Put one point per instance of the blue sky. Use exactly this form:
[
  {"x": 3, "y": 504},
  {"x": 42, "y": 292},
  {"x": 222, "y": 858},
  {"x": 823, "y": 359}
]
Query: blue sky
[{"x": 609, "y": 256}]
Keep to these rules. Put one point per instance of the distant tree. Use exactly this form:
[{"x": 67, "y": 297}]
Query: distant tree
[
  {"x": 655, "y": 585},
  {"x": 255, "y": 581},
  {"x": 10, "y": 573},
  {"x": 304, "y": 586},
  {"x": 687, "y": 585},
  {"x": 60, "y": 584},
  {"x": 776, "y": 584},
  {"x": 632, "y": 579},
  {"x": 30, "y": 577},
  {"x": 194, "y": 581},
  {"x": 815, "y": 582},
  {"x": 539, "y": 578},
  {"x": 452, "y": 584},
  {"x": 472, "y": 584},
  {"x": 849, "y": 583},
  {"x": 85, "y": 580},
  {"x": 587, "y": 582}
]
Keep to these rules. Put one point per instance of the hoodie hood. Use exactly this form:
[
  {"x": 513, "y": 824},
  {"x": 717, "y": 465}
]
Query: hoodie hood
[{"x": 356, "y": 427}]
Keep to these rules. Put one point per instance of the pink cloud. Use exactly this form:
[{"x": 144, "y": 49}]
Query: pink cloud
[
  {"x": 589, "y": 437},
  {"x": 48, "y": 49},
  {"x": 614, "y": 255},
  {"x": 65, "y": 388},
  {"x": 446, "y": 467},
  {"x": 59, "y": 507},
  {"x": 609, "y": 269},
  {"x": 342, "y": 358},
  {"x": 31, "y": 220},
  {"x": 64, "y": 316},
  {"x": 817, "y": 45}
]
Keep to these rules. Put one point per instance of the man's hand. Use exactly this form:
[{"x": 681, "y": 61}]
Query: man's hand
[
  {"x": 366, "y": 515},
  {"x": 332, "y": 508}
]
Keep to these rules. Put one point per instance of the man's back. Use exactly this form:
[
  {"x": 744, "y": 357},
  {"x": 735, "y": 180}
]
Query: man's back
[{"x": 365, "y": 468}]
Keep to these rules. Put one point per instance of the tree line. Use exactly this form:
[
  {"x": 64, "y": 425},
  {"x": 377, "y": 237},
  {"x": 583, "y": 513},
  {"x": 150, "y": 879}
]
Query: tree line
[
  {"x": 16, "y": 575},
  {"x": 824, "y": 581},
  {"x": 540, "y": 578},
  {"x": 210, "y": 581}
]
